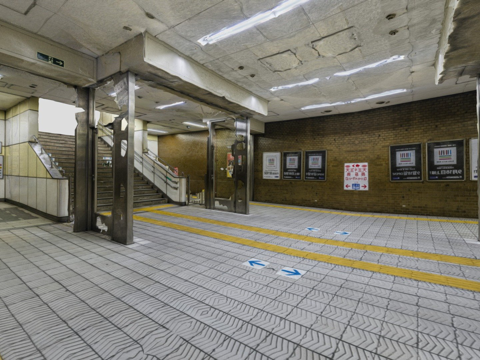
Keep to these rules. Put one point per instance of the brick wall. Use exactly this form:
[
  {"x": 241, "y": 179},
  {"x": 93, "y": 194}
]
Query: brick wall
[{"x": 365, "y": 137}]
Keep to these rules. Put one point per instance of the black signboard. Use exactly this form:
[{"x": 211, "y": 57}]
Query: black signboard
[
  {"x": 446, "y": 160},
  {"x": 316, "y": 165},
  {"x": 292, "y": 165},
  {"x": 50, "y": 59},
  {"x": 406, "y": 162}
]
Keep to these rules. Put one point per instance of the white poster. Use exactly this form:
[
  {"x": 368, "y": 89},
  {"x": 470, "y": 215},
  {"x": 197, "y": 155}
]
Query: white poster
[
  {"x": 473, "y": 159},
  {"x": 406, "y": 158},
  {"x": 315, "y": 162},
  {"x": 445, "y": 156},
  {"x": 292, "y": 162},
  {"x": 356, "y": 176},
  {"x": 271, "y": 165}
]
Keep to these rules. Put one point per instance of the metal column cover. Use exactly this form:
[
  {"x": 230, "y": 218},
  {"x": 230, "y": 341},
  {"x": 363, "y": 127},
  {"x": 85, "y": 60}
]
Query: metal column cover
[
  {"x": 478, "y": 163},
  {"x": 123, "y": 160},
  {"x": 85, "y": 161},
  {"x": 210, "y": 177},
  {"x": 242, "y": 173}
]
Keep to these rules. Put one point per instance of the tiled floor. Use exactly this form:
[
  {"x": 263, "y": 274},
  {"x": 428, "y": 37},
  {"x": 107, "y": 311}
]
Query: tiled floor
[{"x": 186, "y": 294}]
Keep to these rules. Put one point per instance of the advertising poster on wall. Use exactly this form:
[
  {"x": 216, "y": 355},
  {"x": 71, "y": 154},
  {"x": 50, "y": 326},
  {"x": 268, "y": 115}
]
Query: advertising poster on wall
[
  {"x": 446, "y": 160},
  {"x": 230, "y": 160},
  {"x": 474, "y": 159},
  {"x": 316, "y": 165},
  {"x": 292, "y": 165},
  {"x": 271, "y": 165},
  {"x": 406, "y": 162},
  {"x": 356, "y": 176}
]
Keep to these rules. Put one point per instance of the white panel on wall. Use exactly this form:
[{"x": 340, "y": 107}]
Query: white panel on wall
[
  {"x": 15, "y": 188},
  {"x": 32, "y": 193},
  {"x": 32, "y": 124},
  {"x": 8, "y": 132},
  {"x": 23, "y": 127},
  {"x": 52, "y": 196},
  {"x": 8, "y": 192},
  {"x": 2, "y": 188},
  {"x": 42, "y": 194},
  {"x": 23, "y": 190},
  {"x": 3, "y": 124},
  {"x": 153, "y": 146},
  {"x": 15, "y": 135},
  {"x": 63, "y": 188}
]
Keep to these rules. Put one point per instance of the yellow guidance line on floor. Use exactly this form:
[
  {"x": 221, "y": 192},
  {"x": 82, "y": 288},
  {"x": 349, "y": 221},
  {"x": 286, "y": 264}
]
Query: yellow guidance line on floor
[
  {"x": 366, "y": 215},
  {"x": 374, "y": 248},
  {"x": 144, "y": 209},
  {"x": 356, "y": 264}
]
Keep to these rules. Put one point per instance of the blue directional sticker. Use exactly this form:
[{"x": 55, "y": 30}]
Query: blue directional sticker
[
  {"x": 256, "y": 264},
  {"x": 342, "y": 233},
  {"x": 291, "y": 273},
  {"x": 312, "y": 229}
]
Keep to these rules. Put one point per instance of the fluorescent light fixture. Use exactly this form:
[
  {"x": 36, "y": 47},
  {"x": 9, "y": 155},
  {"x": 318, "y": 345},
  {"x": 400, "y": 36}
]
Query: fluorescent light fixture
[
  {"x": 113, "y": 94},
  {"x": 371, "y": 66},
  {"x": 258, "y": 19},
  {"x": 161, "y": 107},
  {"x": 386, "y": 93},
  {"x": 158, "y": 131},
  {"x": 194, "y": 124},
  {"x": 309, "y": 82}
]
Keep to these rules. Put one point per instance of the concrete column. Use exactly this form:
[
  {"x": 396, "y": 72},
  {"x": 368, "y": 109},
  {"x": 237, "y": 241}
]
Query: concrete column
[
  {"x": 85, "y": 162},
  {"x": 478, "y": 137},
  {"x": 141, "y": 136}
]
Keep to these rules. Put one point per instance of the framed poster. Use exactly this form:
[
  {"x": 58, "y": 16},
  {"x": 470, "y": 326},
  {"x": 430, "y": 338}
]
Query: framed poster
[
  {"x": 356, "y": 176},
  {"x": 230, "y": 160},
  {"x": 271, "y": 165},
  {"x": 292, "y": 165},
  {"x": 406, "y": 163},
  {"x": 316, "y": 165},
  {"x": 474, "y": 159},
  {"x": 446, "y": 160}
]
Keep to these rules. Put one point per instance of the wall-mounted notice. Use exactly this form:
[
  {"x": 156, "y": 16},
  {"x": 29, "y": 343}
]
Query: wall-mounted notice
[
  {"x": 474, "y": 159},
  {"x": 356, "y": 176},
  {"x": 271, "y": 165},
  {"x": 230, "y": 160},
  {"x": 446, "y": 160},
  {"x": 316, "y": 165},
  {"x": 406, "y": 162},
  {"x": 1, "y": 166},
  {"x": 292, "y": 165}
]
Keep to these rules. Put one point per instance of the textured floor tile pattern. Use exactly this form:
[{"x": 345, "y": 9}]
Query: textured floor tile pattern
[{"x": 175, "y": 295}]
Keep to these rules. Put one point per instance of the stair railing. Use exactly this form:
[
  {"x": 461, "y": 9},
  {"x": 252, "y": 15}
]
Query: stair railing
[{"x": 158, "y": 173}]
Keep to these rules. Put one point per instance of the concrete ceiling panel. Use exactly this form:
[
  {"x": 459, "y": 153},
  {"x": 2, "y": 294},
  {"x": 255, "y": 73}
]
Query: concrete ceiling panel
[
  {"x": 339, "y": 43},
  {"x": 321, "y": 9},
  {"x": 52, "y": 5},
  {"x": 285, "y": 25},
  {"x": 32, "y": 22},
  {"x": 332, "y": 24},
  {"x": 283, "y": 61},
  {"x": 187, "y": 47},
  {"x": 20, "y": 6},
  {"x": 8, "y": 100}
]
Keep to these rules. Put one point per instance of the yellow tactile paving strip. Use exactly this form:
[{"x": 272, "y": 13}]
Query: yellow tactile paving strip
[
  {"x": 108, "y": 213},
  {"x": 363, "y": 265},
  {"x": 367, "y": 215},
  {"x": 374, "y": 248}
]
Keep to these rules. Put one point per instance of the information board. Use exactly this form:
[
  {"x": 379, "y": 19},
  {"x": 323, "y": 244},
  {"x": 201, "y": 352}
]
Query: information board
[
  {"x": 446, "y": 160},
  {"x": 406, "y": 162},
  {"x": 1, "y": 166},
  {"x": 292, "y": 165},
  {"x": 356, "y": 176},
  {"x": 474, "y": 159},
  {"x": 316, "y": 165},
  {"x": 271, "y": 165}
]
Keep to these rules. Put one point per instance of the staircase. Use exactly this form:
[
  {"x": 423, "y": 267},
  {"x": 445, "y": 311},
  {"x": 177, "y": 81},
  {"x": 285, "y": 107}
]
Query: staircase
[{"x": 62, "y": 148}]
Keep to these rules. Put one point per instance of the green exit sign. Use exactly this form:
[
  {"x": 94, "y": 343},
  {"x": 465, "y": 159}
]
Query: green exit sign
[{"x": 50, "y": 59}]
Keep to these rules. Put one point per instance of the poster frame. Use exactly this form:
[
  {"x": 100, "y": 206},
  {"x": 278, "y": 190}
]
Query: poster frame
[
  {"x": 421, "y": 163},
  {"x": 279, "y": 154},
  {"x": 305, "y": 167},
  {"x": 471, "y": 157},
  {"x": 300, "y": 162},
  {"x": 464, "y": 161}
]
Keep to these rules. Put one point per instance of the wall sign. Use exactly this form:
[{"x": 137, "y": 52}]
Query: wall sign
[
  {"x": 356, "y": 176},
  {"x": 446, "y": 160},
  {"x": 271, "y": 165},
  {"x": 474, "y": 159},
  {"x": 50, "y": 59},
  {"x": 316, "y": 165},
  {"x": 1, "y": 166},
  {"x": 406, "y": 162},
  {"x": 230, "y": 160},
  {"x": 292, "y": 165}
]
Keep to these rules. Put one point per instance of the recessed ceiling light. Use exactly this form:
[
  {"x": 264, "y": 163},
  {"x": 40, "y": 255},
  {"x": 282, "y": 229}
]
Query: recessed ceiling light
[
  {"x": 374, "y": 65},
  {"x": 194, "y": 124},
  {"x": 158, "y": 131},
  {"x": 258, "y": 19},
  {"x": 386, "y": 93},
  {"x": 161, "y": 107},
  {"x": 113, "y": 94},
  {"x": 283, "y": 87}
]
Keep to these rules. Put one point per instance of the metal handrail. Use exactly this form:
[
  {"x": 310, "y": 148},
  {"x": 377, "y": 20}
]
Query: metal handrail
[{"x": 52, "y": 162}]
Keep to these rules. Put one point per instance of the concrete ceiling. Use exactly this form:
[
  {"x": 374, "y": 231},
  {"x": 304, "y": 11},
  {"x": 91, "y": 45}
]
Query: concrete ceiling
[{"x": 316, "y": 40}]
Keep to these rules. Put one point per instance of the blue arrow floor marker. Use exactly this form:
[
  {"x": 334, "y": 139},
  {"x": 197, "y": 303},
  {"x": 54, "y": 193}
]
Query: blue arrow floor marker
[
  {"x": 342, "y": 233},
  {"x": 291, "y": 273},
  {"x": 312, "y": 229},
  {"x": 256, "y": 264}
]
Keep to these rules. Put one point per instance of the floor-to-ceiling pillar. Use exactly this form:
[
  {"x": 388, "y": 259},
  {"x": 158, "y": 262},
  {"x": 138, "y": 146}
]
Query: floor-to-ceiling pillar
[
  {"x": 478, "y": 160},
  {"x": 85, "y": 164}
]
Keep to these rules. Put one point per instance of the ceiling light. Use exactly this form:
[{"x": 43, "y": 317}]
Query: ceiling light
[
  {"x": 113, "y": 94},
  {"x": 380, "y": 63},
  {"x": 386, "y": 93},
  {"x": 194, "y": 124},
  {"x": 309, "y": 82},
  {"x": 258, "y": 19},
  {"x": 158, "y": 131},
  {"x": 161, "y": 107},
  {"x": 1, "y": 76}
]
